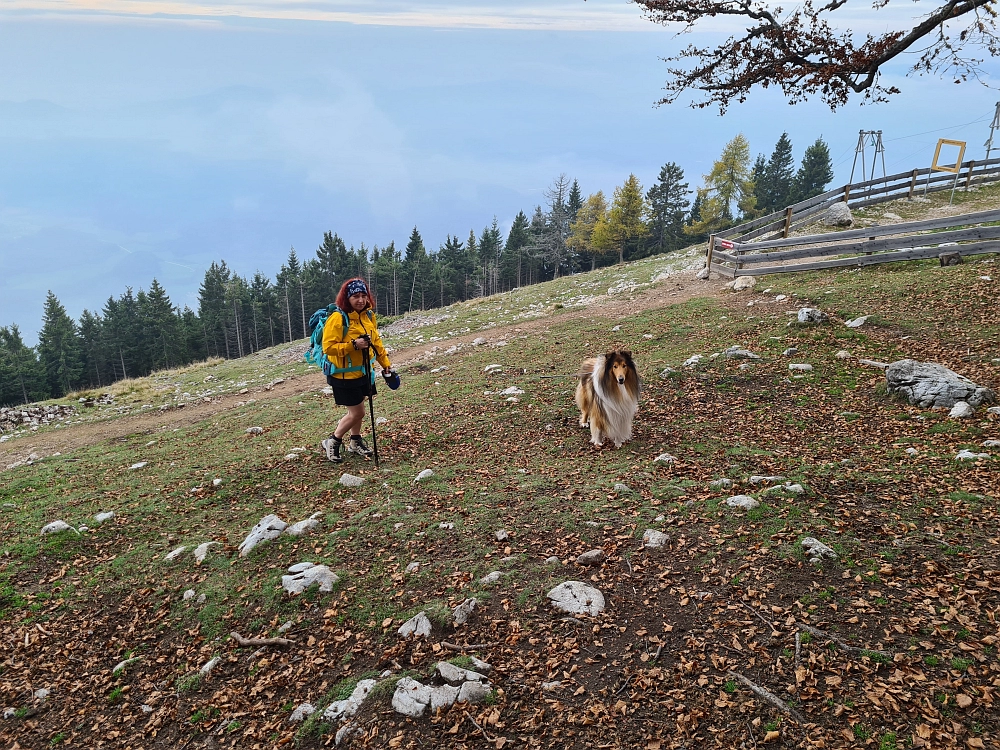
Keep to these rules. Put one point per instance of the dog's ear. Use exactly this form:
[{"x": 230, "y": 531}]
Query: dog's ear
[{"x": 627, "y": 356}]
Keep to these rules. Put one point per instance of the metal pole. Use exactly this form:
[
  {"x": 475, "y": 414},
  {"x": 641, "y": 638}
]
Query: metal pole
[{"x": 371, "y": 406}]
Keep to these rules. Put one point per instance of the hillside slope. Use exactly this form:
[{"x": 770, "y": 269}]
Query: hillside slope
[{"x": 893, "y": 643}]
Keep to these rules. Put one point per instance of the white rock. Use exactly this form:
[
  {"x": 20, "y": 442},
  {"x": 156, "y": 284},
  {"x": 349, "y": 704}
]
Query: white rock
[
  {"x": 349, "y": 480},
  {"x": 474, "y": 692},
  {"x": 411, "y": 698},
  {"x": 549, "y": 687},
  {"x": 794, "y": 489},
  {"x": 299, "y": 567},
  {"x": 301, "y": 713},
  {"x": 838, "y": 215},
  {"x": 201, "y": 599},
  {"x": 124, "y": 664},
  {"x": 256, "y": 430},
  {"x": 444, "y": 696},
  {"x": 457, "y": 675},
  {"x": 721, "y": 484},
  {"x": 206, "y": 670},
  {"x": 843, "y": 354},
  {"x": 693, "y": 360},
  {"x": 702, "y": 274},
  {"x": 478, "y": 341},
  {"x": 811, "y": 315},
  {"x": 175, "y": 553},
  {"x": 349, "y": 707},
  {"x": 423, "y": 475},
  {"x": 967, "y": 455},
  {"x": 553, "y": 560},
  {"x": 512, "y": 391},
  {"x": 267, "y": 528},
  {"x": 800, "y": 367},
  {"x": 961, "y": 410},
  {"x": 616, "y": 329},
  {"x": 317, "y": 574},
  {"x": 216, "y": 482},
  {"x": 41, "y": 694},
  {"x": 300, "y": 528},
  {"x": 502, "y": 535},
  {"x": 146, "y": 709},
  {"x": 413, "y": 567},
  {"x": 418, "y": 625},
  {"x": 56, "y": 527},
  {"x": 927, "y": 384},
  {"x": 994, "y": 410},
  {"x": 622, "y": 489},
  {"x": 817, "y": 550},
  {"x": 292, "y": 457},
  {"x": 664, "y": 458},
  {"x": 345, "y": 733},
  {"x": 464, "y": 611},
  {"x": 790, "y": 351},
  {"x": 490, "y": 369},
  {"x": 189, "y": 595},
  {"x": 758, "y": 479},
  {"x": 447, "y": 525},
  {"x": 653, "y": 539},
  {"x": 873, "y": 363},
  {"x": 138, "y": 465},
  {"x": 577, "y": 598},
  {"x": 857, "y": 322},
  {"x": 742, "y": 501},
  {"x": 912, "y": 452},
  {"x": 106, "y": 516},
  {"x": 738, "y": 352},
  {"x": 490, "y": 578},
  {"x": 379, "y": 421},
  {"x": 201, "y": 551},
  {"x": 481, "y": 666},
  {"x": 744, "y": 282},
  {"x": 991, "y": 444}
]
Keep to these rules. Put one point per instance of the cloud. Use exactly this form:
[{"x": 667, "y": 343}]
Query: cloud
[{"x": 554, "y": 15}]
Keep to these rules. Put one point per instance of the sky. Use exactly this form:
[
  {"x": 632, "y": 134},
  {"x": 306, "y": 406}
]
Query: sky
[{"x": 145, "y": 139}]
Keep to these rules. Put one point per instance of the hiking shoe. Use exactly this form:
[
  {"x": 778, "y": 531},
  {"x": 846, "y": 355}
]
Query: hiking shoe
[
  {"x": 332, "y": 448},
  {"x": 359, "y": 446}
]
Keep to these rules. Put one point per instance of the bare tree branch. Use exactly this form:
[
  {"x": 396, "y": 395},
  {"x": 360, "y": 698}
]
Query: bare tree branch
[{"x": 803, "y": 55}]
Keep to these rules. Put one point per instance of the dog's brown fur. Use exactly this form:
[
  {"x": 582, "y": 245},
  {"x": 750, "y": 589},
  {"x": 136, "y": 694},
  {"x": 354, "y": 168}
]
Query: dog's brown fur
[{"x": 608, "y": 396}]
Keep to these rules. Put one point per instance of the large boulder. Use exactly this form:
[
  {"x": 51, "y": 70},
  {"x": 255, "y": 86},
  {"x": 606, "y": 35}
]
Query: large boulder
[
  {"x": 577, "y": 598},
  {"x": 838, "y": 215},
  {"x": 927, "y": 384}
]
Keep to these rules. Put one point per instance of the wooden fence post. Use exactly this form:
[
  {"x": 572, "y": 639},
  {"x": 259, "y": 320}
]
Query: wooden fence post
[
  {"x": 788, "y": 223},
  {"x": 711, "y": 247},
  {"x": 847, "y": 193},
  {"x": 968, "y": 179},
  {"x": 913, "y": 185}
]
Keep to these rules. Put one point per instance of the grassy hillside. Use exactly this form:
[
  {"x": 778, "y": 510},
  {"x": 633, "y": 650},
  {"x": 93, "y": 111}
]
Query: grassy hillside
[{"x": 912, "y": 600}]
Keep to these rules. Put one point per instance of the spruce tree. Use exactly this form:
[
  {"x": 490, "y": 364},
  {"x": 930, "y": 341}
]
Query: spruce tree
[
  {"x": 22, "y": 379},
  {"x": 668, "y": 205},
  {"x": 59, "y": 348},
  {"x": 574, "y": 202},
  {"x": 815, "y": 172},
  {"x": 518, "y": 239},
  {"x": 778, "y": 176},
  {"x": 760, "y": 187}
]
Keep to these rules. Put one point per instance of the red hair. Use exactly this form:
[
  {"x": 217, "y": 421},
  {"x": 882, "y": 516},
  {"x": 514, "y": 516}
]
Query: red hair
[{"x": 343, "y": 299}]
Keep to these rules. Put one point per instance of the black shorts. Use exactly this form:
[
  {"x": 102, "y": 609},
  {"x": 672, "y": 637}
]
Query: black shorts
[{"x": 352, "y": 391}]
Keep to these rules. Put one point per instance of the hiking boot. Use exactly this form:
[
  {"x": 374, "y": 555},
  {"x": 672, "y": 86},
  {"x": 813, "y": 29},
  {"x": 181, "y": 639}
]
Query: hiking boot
[
  {"x": 359, "y": 446},
  {"x": 332, "y": 447}
]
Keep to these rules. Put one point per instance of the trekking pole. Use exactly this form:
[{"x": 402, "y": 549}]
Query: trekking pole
[{"x": 371, "y": 406}]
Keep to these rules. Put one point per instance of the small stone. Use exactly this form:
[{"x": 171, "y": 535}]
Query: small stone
[
  {"x": 379, "y": 421},
  {"x": 817, "y": 550},
  {"x": 758, "y": 479},
  {"x": 857, "y": 322},
  {"x": 790, "y": 351},
  {"x": 549, "y": 687},
  {"x": 474, "y": 692},
  {"x": 653, "y": 539},
  {"x": 843, "y": 354},
  {"x": 664, "y": 458},
  {"x": 961, "y": 410},
  {"x": 553, "y": 560},
  {"x": 411, "y": 697},
  {"x": 299, "y": 567},
  {"x": 457, "y": 675},
  {"x": 991, "y": 443},
  {"x": 424, "y": 475},
  {"x": 301, "y": 713},
  {"x": 349, "y": 480},
  {"x": 481, "y": 666},
  {"x": 419, "y": 625},
  {"x": 623, "y": 489},
  {"x": 912, "y": 452},
  {"x": 721, "y": 484},
  {"x": 464, "y": 611},
  {"x": 967, "y": 455},
  {"x": 285, "y": 627},
  {"x": 175, "y": 553},
  {"x": 317, "y": 574},
  {"x": 106, "y": 516},
  {"x": 446, "y": 525},
  {"x": 744, "y": 282},
  {"x": 189, "y": 594},
  {"x": 201, "y": 551},
  {"x": 444, "y": 696},
  {"x": 491, "y": 578},
  {"x": 666, "y": 372},
  {"x": 9, "y": 713},
  {"x": 693, "y": 360},
  {"x": 577, "y": 598},
  {"x": 216, "y": 482},
  {"x": 267, "y": 528},
  {"x": 702, "y": 274},
  {"x": 301, "y": 527},
  {"x": 742, "y": 501},
  {"x": 593, "y": 557},
  {"x": 41, "y": 694},
  {"x": 800, "y": 367},
  {"x": 794, "y": 489},
  {"x": 349, "y": 707},
  {"x": 616, "y": 329},
  {"x": 413, "y": 567},
  {"x": 254, "y": 430},
  {"x": 138, "y": 465},
  {"x": 502, "y": 535},
  {"x": 56, "y": 527},
  {"x": 811, "y": 315},
  {"x": 146, "y": 709}
]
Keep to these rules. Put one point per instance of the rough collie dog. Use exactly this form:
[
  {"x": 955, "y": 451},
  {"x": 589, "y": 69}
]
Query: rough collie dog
[{"x": 608, "y": 396}]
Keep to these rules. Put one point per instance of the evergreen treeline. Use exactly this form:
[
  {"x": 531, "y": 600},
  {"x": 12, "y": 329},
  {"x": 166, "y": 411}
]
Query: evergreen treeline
[{"x": 138, "y": 333}]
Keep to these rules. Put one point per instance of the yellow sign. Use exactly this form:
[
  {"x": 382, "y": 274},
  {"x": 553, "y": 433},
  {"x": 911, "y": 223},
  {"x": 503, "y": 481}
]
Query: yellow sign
[{"x": 953, "y": 168}]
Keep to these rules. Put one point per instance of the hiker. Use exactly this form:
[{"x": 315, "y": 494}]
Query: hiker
[{"x": 347, "y": 351}]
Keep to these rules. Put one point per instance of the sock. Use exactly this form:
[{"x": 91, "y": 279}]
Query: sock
[
  {"x": 355, "y": 437},
  {"x": 336, "y": 439}
]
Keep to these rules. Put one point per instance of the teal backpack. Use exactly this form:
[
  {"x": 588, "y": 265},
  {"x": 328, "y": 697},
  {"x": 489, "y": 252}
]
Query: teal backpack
[{"x": 315, "y": 355}]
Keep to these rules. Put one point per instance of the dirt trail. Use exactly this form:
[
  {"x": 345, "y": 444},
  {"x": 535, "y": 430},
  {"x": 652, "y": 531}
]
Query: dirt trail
[{"x": 64, "y": 440}]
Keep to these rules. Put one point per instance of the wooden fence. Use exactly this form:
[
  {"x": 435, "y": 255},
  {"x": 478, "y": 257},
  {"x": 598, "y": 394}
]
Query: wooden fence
[{"x": 733, "y": 252}]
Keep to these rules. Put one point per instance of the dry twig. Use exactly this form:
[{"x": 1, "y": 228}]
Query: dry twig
[
  {"x": 770, "y": 697},
  {"x": 847, "y": 647},
  {"x": 281, "y": 642},
  {"x": 476, "y": 724}
]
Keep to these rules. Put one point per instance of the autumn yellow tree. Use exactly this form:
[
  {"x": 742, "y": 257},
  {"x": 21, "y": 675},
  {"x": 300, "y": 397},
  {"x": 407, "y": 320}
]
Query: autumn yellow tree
[
  {"x": 626, "y": 224},
  {"x": 591, "y": 214},
  {"x": 728, "y": 190}
]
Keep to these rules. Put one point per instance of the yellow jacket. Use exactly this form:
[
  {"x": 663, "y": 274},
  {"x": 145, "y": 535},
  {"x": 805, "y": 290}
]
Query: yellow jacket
[{"x": 348, "y": 361}]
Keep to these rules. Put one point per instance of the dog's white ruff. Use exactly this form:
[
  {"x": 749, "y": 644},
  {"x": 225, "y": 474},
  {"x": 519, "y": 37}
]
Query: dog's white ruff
[{"x": 618, "y": 408}]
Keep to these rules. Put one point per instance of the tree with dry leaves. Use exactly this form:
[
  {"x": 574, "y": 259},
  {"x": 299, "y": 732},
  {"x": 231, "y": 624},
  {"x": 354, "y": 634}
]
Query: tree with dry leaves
[{"x": 803, "y": 52}]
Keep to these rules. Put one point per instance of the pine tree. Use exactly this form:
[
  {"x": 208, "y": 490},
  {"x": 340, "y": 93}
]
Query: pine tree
[
  {"x": 592, "y": 214},
  {"x": 59, "y": 348},
  {"x": 95, "y": 370},
  {"x": 815, "y": 172},
  {"x": 518, "y": 239},
  {"x": 212, "y": 310},
  {"x": 728, "y": 189},
  {"x": 668, "y": 205},
  {"x": 415, "y": 269},
  {"x": 22, "y": 379},
  {"x": 778, "y": 176},
  {"x": 759, "y": 184},
  {"x": 574, "y": 202}
]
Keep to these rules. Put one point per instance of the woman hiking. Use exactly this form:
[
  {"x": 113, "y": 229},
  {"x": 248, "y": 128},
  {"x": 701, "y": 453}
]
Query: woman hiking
[{"x": 346, "y": 348}]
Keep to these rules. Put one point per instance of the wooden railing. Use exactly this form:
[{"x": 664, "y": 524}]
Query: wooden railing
[{"x": 764, "y": 246}]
